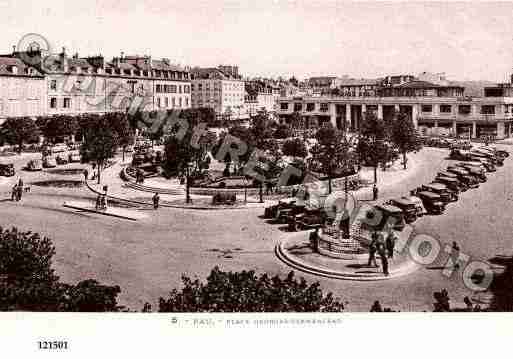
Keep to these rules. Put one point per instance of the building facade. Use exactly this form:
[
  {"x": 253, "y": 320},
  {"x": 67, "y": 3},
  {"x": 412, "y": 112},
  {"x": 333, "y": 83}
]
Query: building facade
[
  {"x": 222, "y": 91},
  {"x": 77, "y": 85},
  {"x": 22, "y": 89},
  {"x": 432, "y": 112}
]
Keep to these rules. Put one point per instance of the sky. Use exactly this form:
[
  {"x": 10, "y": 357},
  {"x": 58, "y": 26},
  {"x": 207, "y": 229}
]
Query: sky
[{"x": 467, "y": 41}]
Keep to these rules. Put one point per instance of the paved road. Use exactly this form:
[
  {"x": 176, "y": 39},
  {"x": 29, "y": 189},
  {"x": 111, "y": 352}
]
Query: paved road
[{"x": 148, "y": 257}]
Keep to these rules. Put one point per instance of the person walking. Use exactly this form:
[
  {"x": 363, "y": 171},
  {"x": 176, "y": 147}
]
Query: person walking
[
  {"x": 380, "y": 247},
  {"x": 19, "y": 190},
  {"x": 455, "y": 254},
  {"x": 390, "y": 244},
  {"x": 156, "y": 200},
  {"x": 314, "y": 240},
  {"x": 374, "y": 192},
  {"x": 14, "y": 193},
  {"x": 372, "y": 250},
  {"x": 86, "y": 174}
]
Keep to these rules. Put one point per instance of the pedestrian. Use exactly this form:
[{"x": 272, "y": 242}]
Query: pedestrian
[
  {"x": 20, "y": 183},
  {"x": 384, "y": 262},
  {"x": 314, "y": 240},
  {"x": 380, "y": 248},
  {"x": 98, "y": 202},
  {"x": 455, "y": 254},
  {"x": 19, "y": 190},
  {"x": 374, "y": 192},
  {"x": 156, "y": 200},
  {"x": 372, "y": 250},
  {"x": 390, "y": 244},
  {"x": 14, "y": 193},
  {"x": 86, "y": 174},
  {"x": 376, "y": 307}
]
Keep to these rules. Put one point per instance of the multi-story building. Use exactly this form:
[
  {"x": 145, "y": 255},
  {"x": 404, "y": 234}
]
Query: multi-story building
[
  {"x": 22, "y": 89},
  {"x": 260, "y": 95},
  {"x": 433, "y": 108},
  {"x": 220, "y": 90},
  {"x": 76, "y": 85}
]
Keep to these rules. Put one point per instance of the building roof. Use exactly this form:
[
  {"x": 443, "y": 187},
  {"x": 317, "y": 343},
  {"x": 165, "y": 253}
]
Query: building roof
[
  {"x": 358, "y": 82},
  {"x": 211, "y": 73},
  {"x": 6, "y": 64}
]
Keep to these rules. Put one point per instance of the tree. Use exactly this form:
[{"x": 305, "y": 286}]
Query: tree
[
  {"x": 100, "y": 142},
  {"x": 29, "y": 283},
  {"x": 282, "y": 131},
  {"x": 246, "y": 292},
  {"x": 124, "y": 132},
  {"x": 54, "y": 128},
  {"x": 332, "y": 151},
  {"x": 18, "y": 131},
  {"x": 404, "y": 135},
  {"x": 295, "y": 148},
  {"x": 372, "y": 142}
]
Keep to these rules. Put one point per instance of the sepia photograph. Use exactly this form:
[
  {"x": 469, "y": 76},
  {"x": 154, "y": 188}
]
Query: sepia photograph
[{"x": 240, "y": 165}]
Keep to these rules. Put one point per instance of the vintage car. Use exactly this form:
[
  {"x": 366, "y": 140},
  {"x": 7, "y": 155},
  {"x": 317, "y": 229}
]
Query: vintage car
[
  {"x": 408, "y": 207},
  {"x": 310, "y": 218},
  {"x": 479, "y": 153},
  {"x": 452, "y": 183},
  {"x": 7, "y": 169},
  {"x": 388, "y": 215},
  {"x": 272, "y": 211},
  {"x": 419, "y": 206},
  {"x": 60, "y": 147},
  {"x": 445, "y": 194},
  {"x": 34, "y": 165},
  {"x": 483, "y": 162},
  {"x": 476, "y": 171},
  {"x": 61, "y": 160},
  {"x": 432, "y": 202},
  {"x": 464, "y": 176},
  {"x": 460, "y": 155},
  {"x": 495, "y": 151},
  {"x": 49, "y": 162},
  {"x": 74, "y": 157},
  {"x": 285, "y": 214}
]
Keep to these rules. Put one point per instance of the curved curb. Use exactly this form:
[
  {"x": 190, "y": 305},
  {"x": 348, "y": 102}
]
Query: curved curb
[
  {"x": 98, "y": 212},
  {"x": 295, "y": 263}
]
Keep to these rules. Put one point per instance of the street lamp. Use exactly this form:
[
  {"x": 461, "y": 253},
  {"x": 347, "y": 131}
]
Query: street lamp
[{"x": 188, "y": 184}]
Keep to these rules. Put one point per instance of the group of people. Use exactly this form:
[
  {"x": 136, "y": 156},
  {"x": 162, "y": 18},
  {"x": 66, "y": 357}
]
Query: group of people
[
  {"x": 101, "y": 202},
  {"x": 384, "y": 247},
  {"x": 17, "y": 191}
]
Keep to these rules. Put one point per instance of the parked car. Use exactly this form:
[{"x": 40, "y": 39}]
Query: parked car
[
  {"x": 7, "y": 169},
  {"x": 464, "y": 176},
  {"x": 451, "y": 183},
  {"x": 272, "y": 211},
  {"x": 445, "y": 194},
  {"x": 60, "y": 147},
  {"x": 389, "y": 215},
  {"x": 460, "y": 155},
  {"x": 61, "y": 160},
  {"x": 475, "y": 171},
  {"x": 432, "y": 202},
  {"x": 406, "y": 205},
  {"x": 494, "y": 151},
  {"x": 137, "y": 159},
  {"x": 284, "y": 215},
  {"x": 34, "y": 165},
  {"x": 74, "y": 157},
  {"x": 49, "y": 162},
  {"x": 310, "y": 218},
  {"x": 498, "y": 161},
  {"x": 419, "y": 206}
]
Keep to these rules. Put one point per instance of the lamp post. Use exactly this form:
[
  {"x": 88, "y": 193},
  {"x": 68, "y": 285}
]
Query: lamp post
[{"x": 187, "y": 184}]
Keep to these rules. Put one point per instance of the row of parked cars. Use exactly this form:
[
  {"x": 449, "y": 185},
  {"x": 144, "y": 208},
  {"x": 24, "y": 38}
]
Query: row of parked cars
[
  {"x": 431, "y": 198},
  {"x": 442, "y": 142},
  {"x": 52, "y": 162}
]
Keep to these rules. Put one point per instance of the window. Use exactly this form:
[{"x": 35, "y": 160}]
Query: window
[
  {"x": 427, "y": 108},
  {"x": 109, "y": 71},
  {"x": 158, "y": 101},
  {"x": 157, "y": 89},
  {"x": 179, "y": 88},
  {"x": 324, "y": 107},
  {"x": 180, "y": 102},
  {"x": 53, "y": 102},
  {"x": 310, "y": 107},
  {"x": 186, "y": 102},
  {"x": 464, "y": 109},
  {"x": 488, "y": 109},
  {"x": 67, "y": 102},
  {"x": 53, "y": 85},
  {"x": 298, "y": 106},
  {"x": 445, "y": 108},
  {"x": 167, "y": 102},
  {"x": 145, "y": 73},
  {"x": 173, "y": 104},
  {"x": 284, "y": 106}
]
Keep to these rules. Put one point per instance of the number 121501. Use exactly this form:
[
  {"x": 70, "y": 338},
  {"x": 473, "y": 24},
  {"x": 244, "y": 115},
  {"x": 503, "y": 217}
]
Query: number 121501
[{"x": 54, "y": 345}]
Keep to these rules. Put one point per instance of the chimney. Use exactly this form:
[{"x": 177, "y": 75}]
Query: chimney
[
  {"x": 64, "y": 60},
  {"x": 122, "y": 58},
  {"x": 14, "y": 50}
]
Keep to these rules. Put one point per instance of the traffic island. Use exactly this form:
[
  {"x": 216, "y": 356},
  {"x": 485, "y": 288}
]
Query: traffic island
[
  {"x": 122, "y": 213},
  {"x": 338, "y": 262}
]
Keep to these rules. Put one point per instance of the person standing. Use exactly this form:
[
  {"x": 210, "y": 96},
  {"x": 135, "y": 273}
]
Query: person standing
[
  {"x": 390, "y": 244},
  {"x": 86, "y": 174},
  {"x": 14, "y": 193},
  {"x": 382, "y": 255},
  {"x": 156, "y": 200},
  {"x": 374, "y": 192},
  {"x": 19, "y": 190},
  {"x": 314, "y": 240},
  {"x": 372, "y": 250},
  {"x": 455, "y": 255}
]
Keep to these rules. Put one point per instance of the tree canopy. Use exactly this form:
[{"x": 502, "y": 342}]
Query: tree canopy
[
  {"x": 246, "y": 292},
  {"x": 404, "y": 136},
  {"x": 29, "y": 283},
  {"x": 18, "y": 131},
  {"x": 295, "y": 147}
]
